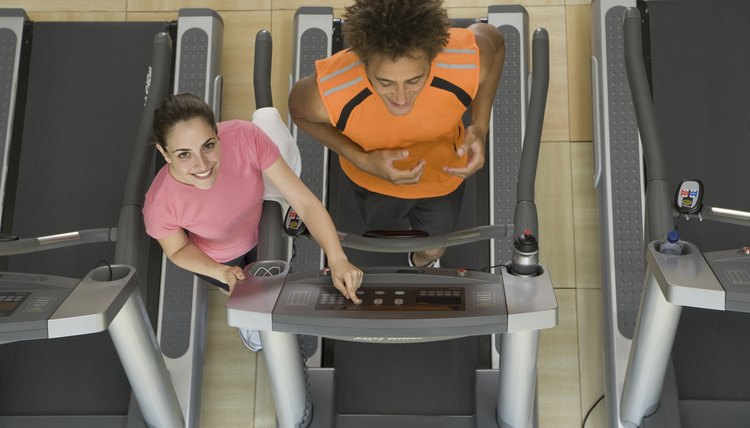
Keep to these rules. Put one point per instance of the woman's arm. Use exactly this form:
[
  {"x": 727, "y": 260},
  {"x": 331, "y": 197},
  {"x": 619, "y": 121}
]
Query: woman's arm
[
  {"x": 346, "y": 277},
  {"x": 182, "y": 252}
]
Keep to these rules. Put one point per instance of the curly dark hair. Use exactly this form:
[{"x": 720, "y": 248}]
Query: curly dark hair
[{"x": 396, "y": 27}]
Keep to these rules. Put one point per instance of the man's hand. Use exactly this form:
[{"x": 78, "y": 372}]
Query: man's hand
[
  {"x": 380, "y": 163},
  {"x": 474, "y": 146}
]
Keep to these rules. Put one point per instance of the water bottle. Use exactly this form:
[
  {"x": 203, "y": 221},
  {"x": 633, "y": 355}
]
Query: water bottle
[
  {"x": 673, "y": 245},
  {"x": 525, "y": 259}
]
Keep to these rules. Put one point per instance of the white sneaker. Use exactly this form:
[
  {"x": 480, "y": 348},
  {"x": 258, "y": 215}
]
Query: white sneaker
[
  {"x": 251, "y": 339},
  {"x": 434, "y": 263}
]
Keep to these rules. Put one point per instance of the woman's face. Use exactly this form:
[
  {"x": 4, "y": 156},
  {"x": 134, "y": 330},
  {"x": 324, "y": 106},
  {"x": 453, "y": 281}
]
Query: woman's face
[{"x": 193, "y": 153}]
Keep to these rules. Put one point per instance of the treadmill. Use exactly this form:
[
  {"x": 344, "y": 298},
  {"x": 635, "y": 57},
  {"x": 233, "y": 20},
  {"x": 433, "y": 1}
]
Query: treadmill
[
  {"x": 442, "y": 311},
  {"x": 690, "y": 315},
  {"x": 318, "y": 34},
  {"x": 62, "y": 81}
]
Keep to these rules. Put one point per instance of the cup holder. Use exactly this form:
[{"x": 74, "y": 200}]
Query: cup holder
[
  {"x": 110, "y": 273},
  {"x": 266, "y": 268}
]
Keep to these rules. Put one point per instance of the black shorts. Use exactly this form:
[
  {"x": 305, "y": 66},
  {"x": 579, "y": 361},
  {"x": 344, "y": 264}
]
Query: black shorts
[
  {"x": 240, "y": 261},
  {"x": 436, "y": 216}
]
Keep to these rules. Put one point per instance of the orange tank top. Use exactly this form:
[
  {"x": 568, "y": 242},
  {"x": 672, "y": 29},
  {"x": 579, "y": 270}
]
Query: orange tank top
[{"x": 432, "y": 130}]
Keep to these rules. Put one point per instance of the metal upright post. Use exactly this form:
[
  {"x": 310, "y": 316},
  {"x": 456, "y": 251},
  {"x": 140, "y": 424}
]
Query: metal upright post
[
  {"x": 142, "y": 360},
  {"x": 517, "y": 384},
  {"x": 649, "y": 355},
  {"x": 286, "y": 368}
]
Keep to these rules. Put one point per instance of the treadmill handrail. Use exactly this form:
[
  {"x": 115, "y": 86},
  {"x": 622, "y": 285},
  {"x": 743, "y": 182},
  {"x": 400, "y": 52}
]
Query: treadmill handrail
[
  {"x": 262, "y": 69},
  {"x": 390, "y": 245},
  {"x": 133, "y": 242},
  {"x": 722, "y": 215},
  {"x": 659, "y": 216},
  {"x": 60, "y": 240},
  {"x": 527, "y": 218},
  {"x": 135, "y": 186}
]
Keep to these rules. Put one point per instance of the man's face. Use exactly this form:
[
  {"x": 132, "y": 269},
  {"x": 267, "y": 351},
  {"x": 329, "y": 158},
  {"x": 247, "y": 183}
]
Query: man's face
[{"x": 399, "y": 81}]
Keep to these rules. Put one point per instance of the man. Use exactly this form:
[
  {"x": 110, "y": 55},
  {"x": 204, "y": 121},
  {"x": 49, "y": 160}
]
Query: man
[{"x": 391, "y": 106}]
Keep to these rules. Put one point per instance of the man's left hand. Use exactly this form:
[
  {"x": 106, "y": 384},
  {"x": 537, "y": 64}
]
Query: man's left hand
[{"x": 473, "y": 145}]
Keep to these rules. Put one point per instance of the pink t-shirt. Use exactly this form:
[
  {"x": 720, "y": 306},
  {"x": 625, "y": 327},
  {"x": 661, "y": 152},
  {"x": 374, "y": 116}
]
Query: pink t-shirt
[{"x": 223, "y": 220}]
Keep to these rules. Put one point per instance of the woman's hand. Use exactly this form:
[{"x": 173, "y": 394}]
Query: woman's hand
[
  {"x": 230, "y": 276},
  {"x": 346, "y": 278}
]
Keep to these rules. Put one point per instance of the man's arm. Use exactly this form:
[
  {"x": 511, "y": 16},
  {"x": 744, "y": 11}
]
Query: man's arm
[
  {"x": 309, "y": 114},
  {"x": 491, "y": 46}
]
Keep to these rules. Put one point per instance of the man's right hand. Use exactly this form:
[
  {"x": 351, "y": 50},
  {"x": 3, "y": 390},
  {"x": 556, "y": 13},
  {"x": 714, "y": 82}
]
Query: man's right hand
[{"x": 380, "y": 163}]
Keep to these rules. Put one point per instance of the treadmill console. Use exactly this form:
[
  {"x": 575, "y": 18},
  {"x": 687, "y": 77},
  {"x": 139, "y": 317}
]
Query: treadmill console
[
  {"x": 689, "y": 197},
  {"x": 394, "y": 298},
  {"x": 397, "y": 302},
  {"x": 46, "y": 306},
  {"x": 10, "y": 301},
  {"x": 27, "y": 302}
]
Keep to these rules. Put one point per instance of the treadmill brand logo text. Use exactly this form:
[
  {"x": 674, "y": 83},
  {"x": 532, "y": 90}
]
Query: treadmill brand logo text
[{"x": 388, "y": 339}]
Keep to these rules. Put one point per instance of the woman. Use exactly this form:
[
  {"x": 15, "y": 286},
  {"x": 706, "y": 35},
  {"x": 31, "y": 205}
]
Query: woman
[{"x": 204, "y": 206}]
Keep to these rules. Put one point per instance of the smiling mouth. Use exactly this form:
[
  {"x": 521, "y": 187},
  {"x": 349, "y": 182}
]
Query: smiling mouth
[{"x": 202, "y": 175}]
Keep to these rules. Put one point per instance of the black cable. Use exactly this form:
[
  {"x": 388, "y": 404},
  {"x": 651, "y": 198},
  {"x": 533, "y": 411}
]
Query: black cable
[
  {"x": 591, "y": 409},
  {"x": 487, "y": 269},
  {"x": 103, "y": 262},
  {"x": 294, "y": 252}
]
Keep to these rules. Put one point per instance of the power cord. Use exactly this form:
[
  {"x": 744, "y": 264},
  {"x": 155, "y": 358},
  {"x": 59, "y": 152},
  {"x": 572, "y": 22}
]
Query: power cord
[
  {"x": 294, "y": 252},
  {"x": 591, "y": 409},
  {"x": 103, "y": 262},
  {"x": 488, "y": 268}
]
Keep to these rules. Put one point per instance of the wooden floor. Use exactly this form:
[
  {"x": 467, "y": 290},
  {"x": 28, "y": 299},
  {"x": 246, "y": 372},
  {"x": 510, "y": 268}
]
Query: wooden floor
[{"x": 570, "y": 361}]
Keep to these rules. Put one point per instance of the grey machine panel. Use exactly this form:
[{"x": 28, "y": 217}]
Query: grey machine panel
[
  {"x": 732, "y": 269},
  {"x": 717, "y": 280},
  {"x": 407, "y": 303},
  {"x": 313, "y": 36},
  {"x": 27, "y": 302},
  {"x": 36, "y": 306},
  {"x": 440, "y": 304},
  {"x": 508, "y": 122},
  {"x": 625, "y": 187},
  {"x": 200, "y": 35},
  {"x": 181, "y": 329},
  {"x": 618, "y": 180},
  {"x": 11, "y": 35}
]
